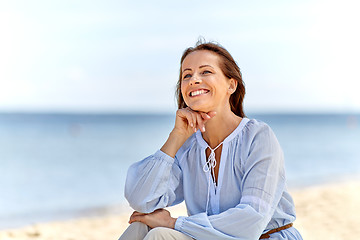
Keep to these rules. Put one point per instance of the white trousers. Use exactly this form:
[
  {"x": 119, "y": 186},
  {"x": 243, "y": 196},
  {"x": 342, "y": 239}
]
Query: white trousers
[{"x": 140, "y": 231}]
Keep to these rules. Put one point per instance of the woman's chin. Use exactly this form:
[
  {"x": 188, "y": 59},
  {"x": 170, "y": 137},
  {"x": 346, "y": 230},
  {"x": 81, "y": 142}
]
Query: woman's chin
[{"x": 200, "y": 108}]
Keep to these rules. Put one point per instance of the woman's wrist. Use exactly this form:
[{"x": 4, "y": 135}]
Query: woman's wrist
[
  {"x": 172, "y": 223},
  {"x": 173, "y": 143}
]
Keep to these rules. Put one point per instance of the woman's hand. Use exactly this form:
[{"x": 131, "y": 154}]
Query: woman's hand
[
  {"x": 186, "y": 123},
  {"x": 158, "y": 218}
]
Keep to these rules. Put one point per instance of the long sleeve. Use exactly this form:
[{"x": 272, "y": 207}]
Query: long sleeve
[
  {"x": 154, "y": 183},
  {"x": 262, "y": 185}
]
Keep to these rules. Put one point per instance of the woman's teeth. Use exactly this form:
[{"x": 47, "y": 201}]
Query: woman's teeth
[{"x": 198, "y": 92}]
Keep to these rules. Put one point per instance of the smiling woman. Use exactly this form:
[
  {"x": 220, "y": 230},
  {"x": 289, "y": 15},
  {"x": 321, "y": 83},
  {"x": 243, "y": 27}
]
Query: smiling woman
[
  {"x": 204, "y": 87},
  {"x": 227, "y": 168},
  {"x": 226, "y": 66}
]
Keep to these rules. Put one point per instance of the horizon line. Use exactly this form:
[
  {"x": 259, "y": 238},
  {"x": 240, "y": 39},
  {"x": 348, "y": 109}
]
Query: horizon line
[{"x": 125, "y": 112}]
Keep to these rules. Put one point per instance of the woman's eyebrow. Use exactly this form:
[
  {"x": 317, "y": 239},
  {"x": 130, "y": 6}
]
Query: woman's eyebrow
[
  {"x": 202, "y": 66},
  {"x": 186, "y": 69}
]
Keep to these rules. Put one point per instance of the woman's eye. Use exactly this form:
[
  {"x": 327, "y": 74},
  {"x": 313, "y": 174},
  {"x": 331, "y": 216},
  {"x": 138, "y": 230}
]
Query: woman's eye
[
  {"x": 187, "y": 76},
  {"x": 206, "y": 72}
]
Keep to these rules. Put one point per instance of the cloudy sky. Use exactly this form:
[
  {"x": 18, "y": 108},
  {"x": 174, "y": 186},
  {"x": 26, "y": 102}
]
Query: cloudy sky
[{"x": 113, "y": 56}]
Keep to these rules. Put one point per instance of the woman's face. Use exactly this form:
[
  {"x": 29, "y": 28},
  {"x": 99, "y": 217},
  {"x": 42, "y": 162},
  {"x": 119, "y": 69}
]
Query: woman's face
[{"x": 204, "y": 87}]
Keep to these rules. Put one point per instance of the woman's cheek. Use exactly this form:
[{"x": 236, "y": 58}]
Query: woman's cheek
[{"x": 184, "y": 97}]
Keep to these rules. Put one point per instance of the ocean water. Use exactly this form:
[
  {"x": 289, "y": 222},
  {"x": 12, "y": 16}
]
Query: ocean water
[{"x": 57, "y": 166}]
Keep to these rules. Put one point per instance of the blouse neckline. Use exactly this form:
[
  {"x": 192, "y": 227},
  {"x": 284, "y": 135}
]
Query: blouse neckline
[{"x": 230, "y": 137}]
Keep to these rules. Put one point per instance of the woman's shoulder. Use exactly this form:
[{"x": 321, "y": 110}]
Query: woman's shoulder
[
  {"x": 257, "y": 130},
  {"x": 254, "y": 126},
  {"x": 260, "y": 142}
]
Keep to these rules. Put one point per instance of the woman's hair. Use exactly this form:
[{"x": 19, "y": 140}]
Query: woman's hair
[{"x": 229, "y": 68}]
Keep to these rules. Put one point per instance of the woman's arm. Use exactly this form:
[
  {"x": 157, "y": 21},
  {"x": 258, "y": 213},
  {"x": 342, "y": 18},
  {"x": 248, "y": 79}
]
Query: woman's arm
[{"x": 155, "y": 182}]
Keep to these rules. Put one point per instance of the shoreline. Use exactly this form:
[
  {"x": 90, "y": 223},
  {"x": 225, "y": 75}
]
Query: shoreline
[
  {"x": 323, "y": 211},
  {"x": 21, "y": 221}
]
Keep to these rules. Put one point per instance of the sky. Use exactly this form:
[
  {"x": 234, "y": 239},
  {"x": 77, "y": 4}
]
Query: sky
[{"x": 124, "y": 56}]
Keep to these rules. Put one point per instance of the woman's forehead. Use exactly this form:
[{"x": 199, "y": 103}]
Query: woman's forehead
[{"x": 200, "y": 58}]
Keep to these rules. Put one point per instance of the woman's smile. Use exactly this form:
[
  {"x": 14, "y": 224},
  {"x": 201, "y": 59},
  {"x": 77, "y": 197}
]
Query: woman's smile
[{"x": 199, "y": 92}]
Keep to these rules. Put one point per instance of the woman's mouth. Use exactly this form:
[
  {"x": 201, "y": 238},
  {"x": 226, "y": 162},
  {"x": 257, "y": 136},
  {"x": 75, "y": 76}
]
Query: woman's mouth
[{"x": 198, "y": 92}]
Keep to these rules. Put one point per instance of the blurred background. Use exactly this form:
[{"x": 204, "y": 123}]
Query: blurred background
[{"x": 87, "y": 88}]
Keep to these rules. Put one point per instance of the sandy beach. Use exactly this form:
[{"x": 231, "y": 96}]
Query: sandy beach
[{"x": 323, "y": 212}]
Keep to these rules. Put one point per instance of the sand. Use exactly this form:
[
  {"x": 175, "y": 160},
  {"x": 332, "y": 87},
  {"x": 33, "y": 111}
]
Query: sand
[{"x": 323, "y": 212}]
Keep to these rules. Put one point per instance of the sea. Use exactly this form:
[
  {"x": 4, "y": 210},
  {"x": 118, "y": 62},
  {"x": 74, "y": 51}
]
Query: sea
[{"x": 61, "y": 166}]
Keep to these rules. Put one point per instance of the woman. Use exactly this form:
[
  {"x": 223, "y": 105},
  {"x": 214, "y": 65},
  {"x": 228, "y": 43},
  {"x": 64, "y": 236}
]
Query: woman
[{"x": 228, "y": 169}]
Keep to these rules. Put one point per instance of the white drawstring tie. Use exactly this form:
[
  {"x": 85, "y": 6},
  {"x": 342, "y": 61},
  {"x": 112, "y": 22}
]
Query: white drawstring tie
[{"x": 210, "y": 164}]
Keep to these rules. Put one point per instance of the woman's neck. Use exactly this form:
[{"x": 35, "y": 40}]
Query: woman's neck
[{"x": 219, "y": 127}]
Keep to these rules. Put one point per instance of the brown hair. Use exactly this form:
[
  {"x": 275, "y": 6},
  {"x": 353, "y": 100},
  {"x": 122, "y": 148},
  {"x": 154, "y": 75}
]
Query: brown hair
[{"x": 229, "y": 68}]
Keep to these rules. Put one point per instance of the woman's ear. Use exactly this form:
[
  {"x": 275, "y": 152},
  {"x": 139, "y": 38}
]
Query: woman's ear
[{"x": 232, "y": 85}]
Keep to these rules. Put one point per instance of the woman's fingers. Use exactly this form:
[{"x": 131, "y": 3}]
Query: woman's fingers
[
  {"x": 204, "y": 117},
  {"x": 197, "y": 122},
  {"x": 200, "y": 118},
  {"x": 193, "y": 119},
  {"x": 137, "y": 217},
  {"x": 136, "y": 214},
  {"x": 200, "y": 122},
  {"x": 210, "y": 115},
  {"x": 207, "y": 116},
  {"x": 188, "y": 118}
]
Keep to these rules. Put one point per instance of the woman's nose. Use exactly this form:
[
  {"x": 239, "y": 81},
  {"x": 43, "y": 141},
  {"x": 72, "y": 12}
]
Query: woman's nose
[{"x": 195, "y": 80}]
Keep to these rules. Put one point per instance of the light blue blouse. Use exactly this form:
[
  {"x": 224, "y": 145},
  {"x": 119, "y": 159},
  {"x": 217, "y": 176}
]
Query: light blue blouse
[{"x": 251, "y": 196}]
